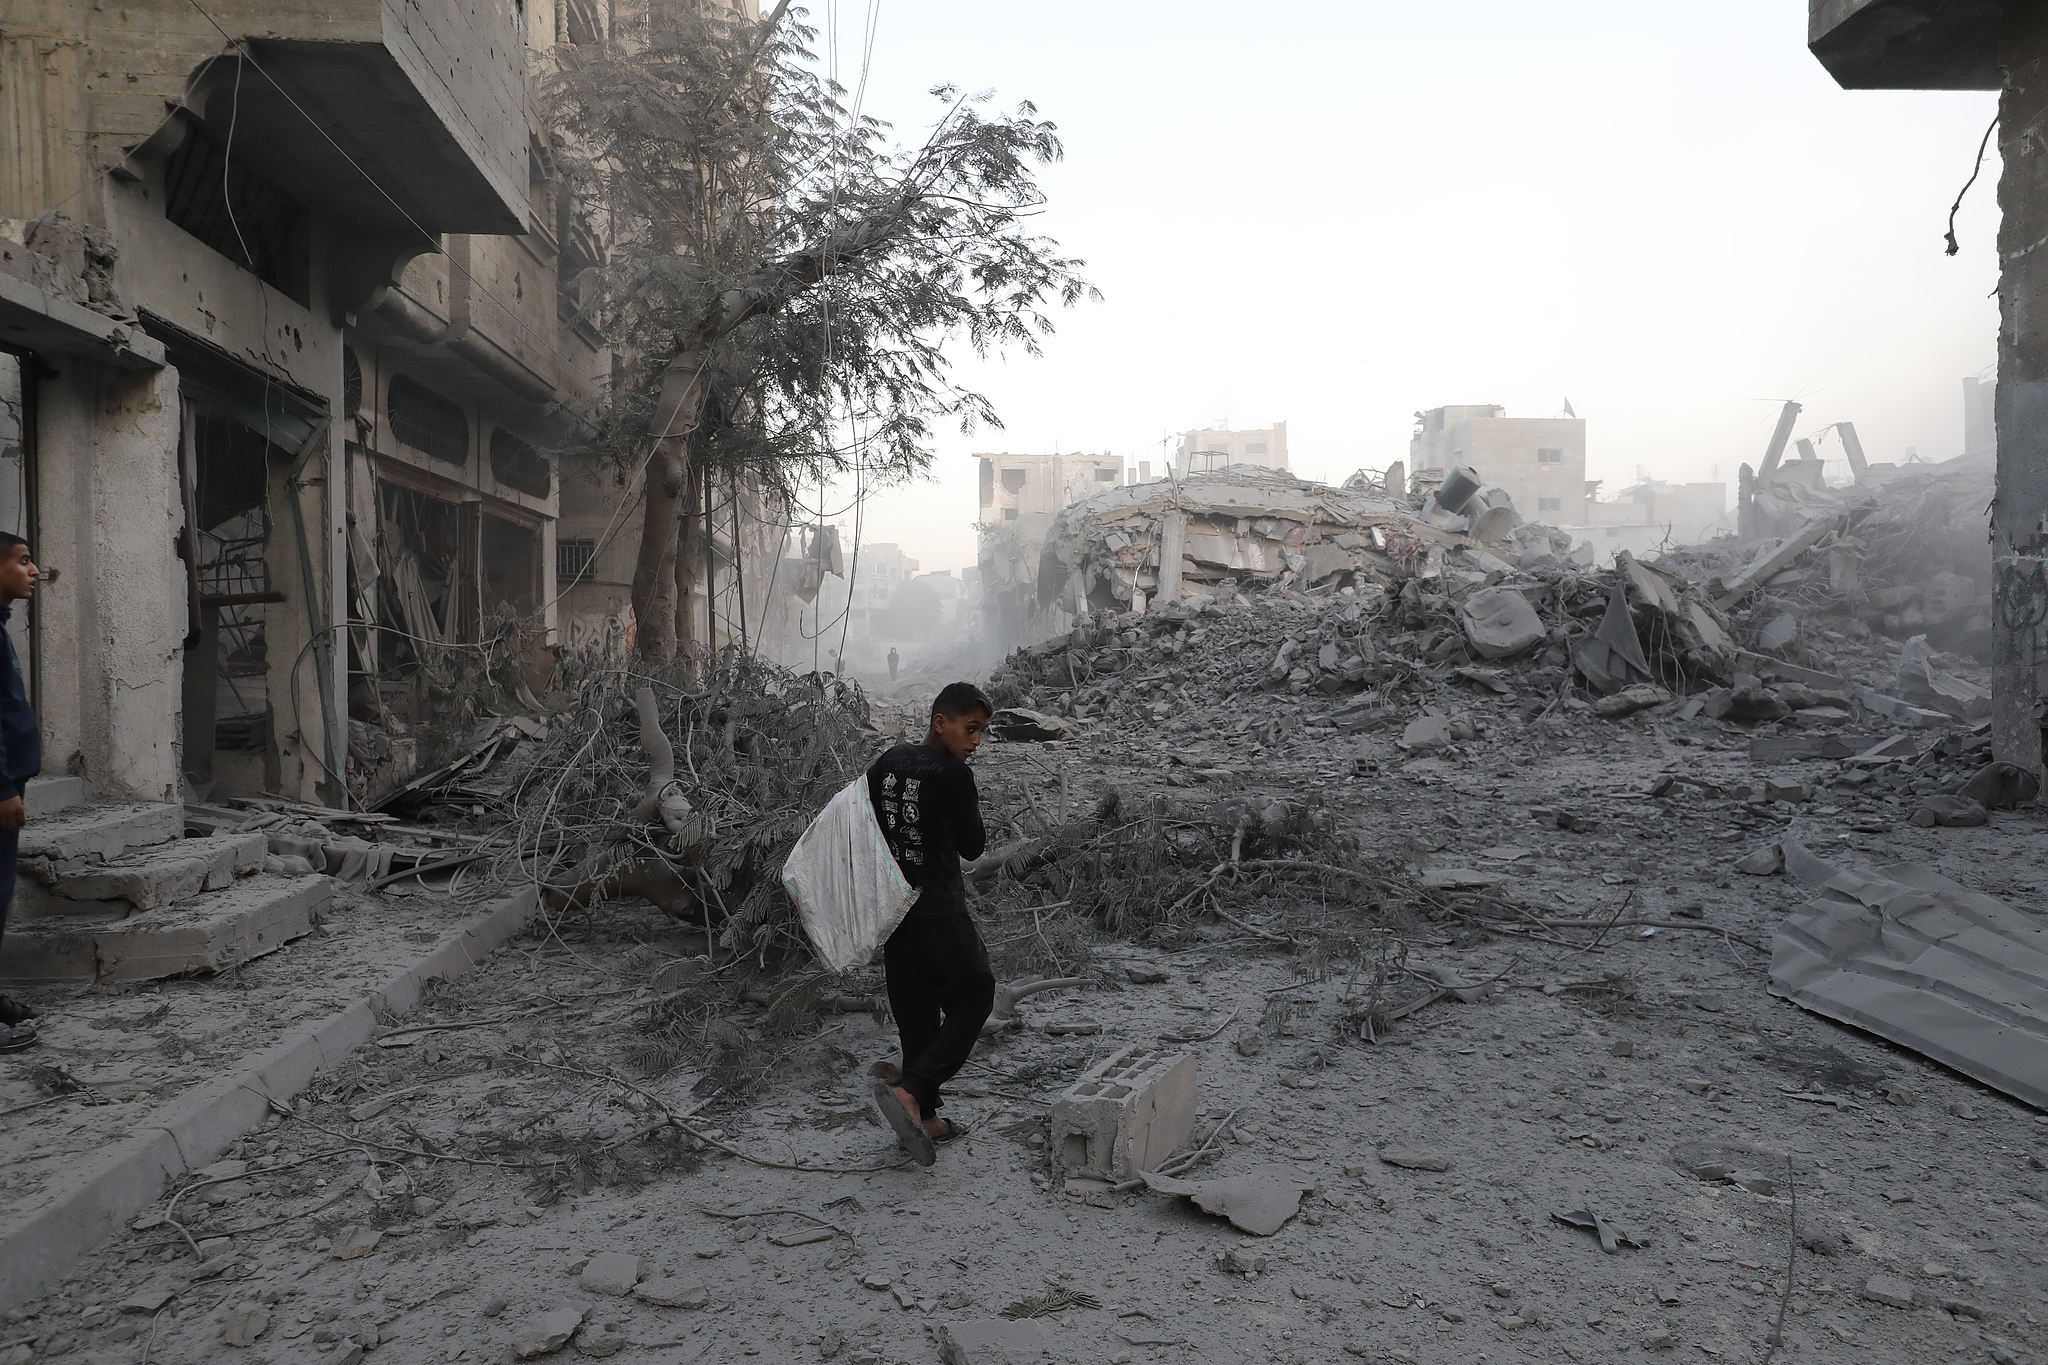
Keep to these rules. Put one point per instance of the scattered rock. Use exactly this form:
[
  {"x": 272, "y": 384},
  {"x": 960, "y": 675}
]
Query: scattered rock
[
  {"x": 611, "y": 1272},
  {"x": 1259, "y": 1202},
  {"x": 1235, "y": 1262},
  {"x": 2001, "y": 786},
  {"x": 1765, "y": 862},
  {"x": 354, "y": 1243},
  {"x": 547, "y": 1333},
  {"x": 1146, "y": 976},
  {"x": 245, "y": 1325},
  {"x": 1950, "y": 812},
  {"x": 1412, "y": 1160},
  {"x": 1499, "y": 622},
  {"x": 606, "y": 1341},
  {"x": 1426, "y": 733},
  {"x": 668, "y": 1293},
  {"x": 1661, "y": 1339},
  {"x": 146, "y": 1301},
  {"x": 991, "y": 1341},
  {"x": 1630, "y": 700},
  {"x": 1888, "y": 1290}
]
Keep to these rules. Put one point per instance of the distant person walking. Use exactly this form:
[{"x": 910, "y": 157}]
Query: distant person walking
[
  {"x": 21, "y": 757},
  {"x": 892, "y": 663}
]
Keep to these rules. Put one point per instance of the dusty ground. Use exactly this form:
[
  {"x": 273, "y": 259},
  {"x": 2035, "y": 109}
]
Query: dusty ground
[{"x": 1541, "y": 1101}]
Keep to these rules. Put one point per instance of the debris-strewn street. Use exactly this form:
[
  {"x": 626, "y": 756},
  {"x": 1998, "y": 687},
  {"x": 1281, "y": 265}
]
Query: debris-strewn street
[{"x": 508, "y": 1168}]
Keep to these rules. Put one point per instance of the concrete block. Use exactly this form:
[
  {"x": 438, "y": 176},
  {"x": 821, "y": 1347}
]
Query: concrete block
[
  {"x": 102, "y": 831},
  {"x": 991, "y": 1341},
  {"x": 1126, "y": 1115},
  {"x": 165, "y": 874},
  {"x": 45, "y": 796},
  {"x": 217, "y": 930}
]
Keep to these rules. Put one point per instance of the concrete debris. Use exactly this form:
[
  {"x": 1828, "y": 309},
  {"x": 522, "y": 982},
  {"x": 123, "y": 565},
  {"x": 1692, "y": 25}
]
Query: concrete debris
[
  {"x": 1018, "y": 724},
  {"x": 1925, "y": 962},
  {"x": 1768, "y": 861},
  {"x": 1949, "y": 812},
  {"x": 1612, "y": 1238},
  {"x": 245, "y": 1325},
  {"x": 1259, "y": 1202},
  {"x": 547, "y": 1333},
  {"x": 1889, "y": 1290},
  {"x": 354, "y": 1243},
  {"x": 672, "y": 1293},
  {"x": 611, "y": 1272},
  {"x": 1499, "y": 623},
  {"x": 1628, "y": 701},
  {"x": 1126, "y": 1115},
  {"x": 992, "y": 1341},
  {"x": 2001, "y": 786},
  {"x": 1412, "y": 1160}
]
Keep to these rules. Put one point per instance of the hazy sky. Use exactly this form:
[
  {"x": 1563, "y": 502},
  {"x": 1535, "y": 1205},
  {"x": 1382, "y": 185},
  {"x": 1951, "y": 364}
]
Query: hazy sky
[{"x": 1338, "y": 213}]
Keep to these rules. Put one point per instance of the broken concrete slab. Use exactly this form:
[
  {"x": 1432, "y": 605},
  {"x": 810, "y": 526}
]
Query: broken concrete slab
[
  {"x": 244, "y": 1326},
  {"x": 1949, "y": 812},
  {"x": 1259, "y": 1202},
  {"x": 1767, "y": 861},
  {"x": 611, "y": 1272},
  {"x": 547, "y": 1333},
  {"x": 354, "y": 1243},
  {"x": 1426, "y": 733},
  {"x": 1499, "y": 623},
  {"x": 1629, "y": 700},
  {"x": 102, "y": 831},
  {"x": 1460, "y": 879},
  {"x": 991, "y": 1341},
  {"x": 1889, "y": 1290},
  {"x": 1126, "y": 1114},
  {"x": 1924, "y": 962}
]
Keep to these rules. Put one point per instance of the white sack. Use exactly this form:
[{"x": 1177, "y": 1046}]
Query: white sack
[{"x": 845, "y": 882}]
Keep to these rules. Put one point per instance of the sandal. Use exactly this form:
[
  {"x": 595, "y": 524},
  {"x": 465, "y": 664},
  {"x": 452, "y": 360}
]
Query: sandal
[
  {"x": 910, "y": 1133},
  {"x": 953, "y": 1132}
]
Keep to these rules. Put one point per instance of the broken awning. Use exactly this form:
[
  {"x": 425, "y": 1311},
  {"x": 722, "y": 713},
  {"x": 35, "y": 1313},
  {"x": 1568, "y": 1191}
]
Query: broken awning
[{"x": 1917, "y": 959}]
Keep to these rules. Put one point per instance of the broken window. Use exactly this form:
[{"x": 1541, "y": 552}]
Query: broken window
[
  {"x": 518, "y": 465},
  {"x": 575, "y": 559},
  {"x": 1550, "y": 504},
  {"x": 433, "y": 425},
  {"x": 1550, "y": 457},
  {"x": 236, "y": 212},
  {"x": 227, "y": 689},
  {"x": 1105, "y": 476},
  {"x": 1013, "y": 480}
]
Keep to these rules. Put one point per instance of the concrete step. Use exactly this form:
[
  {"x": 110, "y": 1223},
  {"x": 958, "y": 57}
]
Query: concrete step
[
  {"x": 209, "y": 933},
  {"x": 45, "y": 796},
  {"x": 163, "y": 874},
  {"x": 101, "y": 831}
]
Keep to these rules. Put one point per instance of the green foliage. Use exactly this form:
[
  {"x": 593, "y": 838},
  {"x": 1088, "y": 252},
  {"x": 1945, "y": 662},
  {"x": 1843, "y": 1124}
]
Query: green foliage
[{"x": 735, "y": 205}]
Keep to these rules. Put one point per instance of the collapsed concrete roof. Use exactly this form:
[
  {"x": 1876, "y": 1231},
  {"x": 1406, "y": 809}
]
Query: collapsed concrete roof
[{"x": 1243, "y": 523}]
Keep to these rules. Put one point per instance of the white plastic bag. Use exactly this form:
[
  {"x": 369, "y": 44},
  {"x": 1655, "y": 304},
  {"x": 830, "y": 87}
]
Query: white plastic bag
[{"x": 848, "y": 890}]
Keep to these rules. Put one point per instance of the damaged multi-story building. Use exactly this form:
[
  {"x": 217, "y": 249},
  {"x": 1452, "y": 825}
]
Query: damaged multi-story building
[{"x": 295, "y": 349}]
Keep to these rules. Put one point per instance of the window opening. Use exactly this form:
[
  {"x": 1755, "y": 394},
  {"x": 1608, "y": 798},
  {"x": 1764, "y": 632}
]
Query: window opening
[
  {"x": 433, "y": 425},
  {"x": 236, "y": 212}
]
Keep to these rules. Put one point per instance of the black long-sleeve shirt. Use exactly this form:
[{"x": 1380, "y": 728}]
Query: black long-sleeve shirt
[
  {"x": 21, "y": 739},
  {"x": 930, "y": 812}
]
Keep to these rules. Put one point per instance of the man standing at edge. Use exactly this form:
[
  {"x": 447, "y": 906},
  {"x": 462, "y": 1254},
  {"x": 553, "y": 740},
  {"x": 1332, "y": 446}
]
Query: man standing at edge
[
  {"x": 21, "y": 757},
  {"x": 941, "y": 987}
]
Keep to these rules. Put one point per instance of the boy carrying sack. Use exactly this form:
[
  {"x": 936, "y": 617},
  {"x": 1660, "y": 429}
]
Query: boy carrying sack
[
  {"x": 882, "y": 862},
  {"x": 941, "y": 988}
]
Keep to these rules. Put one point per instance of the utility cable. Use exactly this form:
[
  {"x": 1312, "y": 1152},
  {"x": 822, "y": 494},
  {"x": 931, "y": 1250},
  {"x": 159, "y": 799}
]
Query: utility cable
[{"x": 1975, "y": 171}]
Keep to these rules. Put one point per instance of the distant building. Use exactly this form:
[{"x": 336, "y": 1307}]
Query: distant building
[
  {"x": 1220, "y": 447},
  {"x": 1539, "y": 461},
  {"x": 1020, "y": 496}
]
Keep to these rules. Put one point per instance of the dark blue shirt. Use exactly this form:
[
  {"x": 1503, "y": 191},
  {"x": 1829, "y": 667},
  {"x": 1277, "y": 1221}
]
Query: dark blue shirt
[
  {"x": 931, "y": 815},
  {"x": 21, "y": 739}
]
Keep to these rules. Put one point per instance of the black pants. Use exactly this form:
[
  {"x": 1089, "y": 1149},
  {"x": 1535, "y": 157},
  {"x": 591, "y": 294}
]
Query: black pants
[
  {"x": 941, "y": 990},
  {"x": 10, "y": 850}
]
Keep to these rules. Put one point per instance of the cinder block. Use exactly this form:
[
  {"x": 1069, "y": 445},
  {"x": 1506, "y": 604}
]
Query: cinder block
[{"x": 1128, "y": 1114}]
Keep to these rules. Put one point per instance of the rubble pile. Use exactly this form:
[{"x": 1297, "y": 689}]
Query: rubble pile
[{"x": 1795, "y": 631}]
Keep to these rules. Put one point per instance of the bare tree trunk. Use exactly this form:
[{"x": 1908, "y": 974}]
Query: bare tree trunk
[
  {"x": 668, "y": 483},
  {"x": 687, "y": 556}
]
